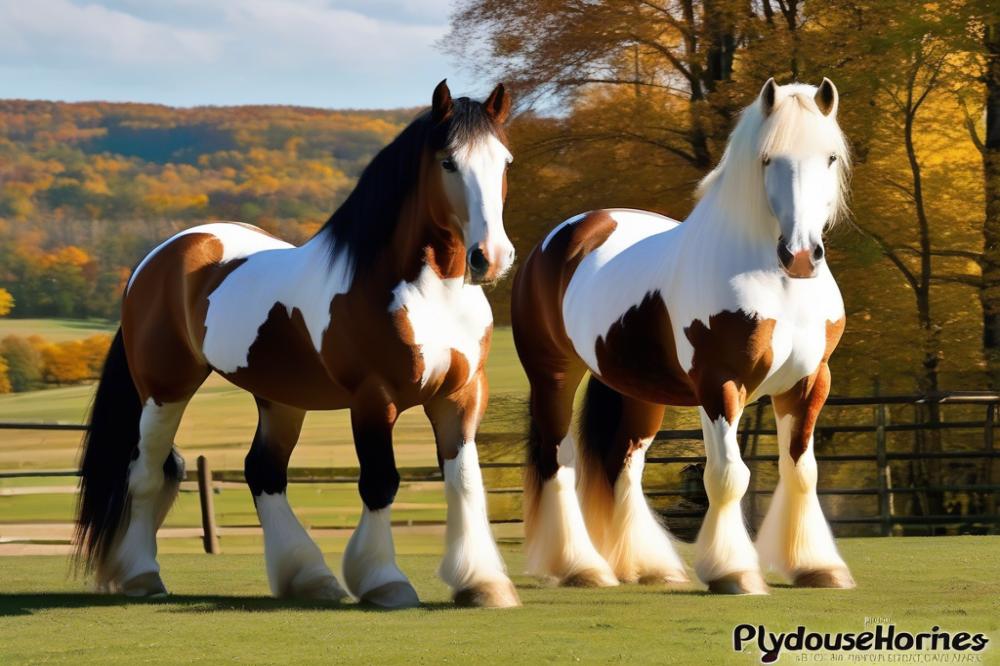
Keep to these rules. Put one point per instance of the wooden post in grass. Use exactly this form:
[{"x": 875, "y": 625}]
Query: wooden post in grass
[{"x": 210, "y": 535}]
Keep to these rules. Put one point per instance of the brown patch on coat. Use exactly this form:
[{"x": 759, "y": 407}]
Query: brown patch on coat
[
  {"x": 638, "y": 356},
  {"x": 162, "y": 332},
  {"x": 732, "y": 356},
  {"x": 546, "y": 352},
  {"x": 806, "y": 398},
  {"x": 284, "y": 367}
]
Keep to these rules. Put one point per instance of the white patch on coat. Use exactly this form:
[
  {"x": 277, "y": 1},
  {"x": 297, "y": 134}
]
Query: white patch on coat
[
  {"x": 238, "y": 241},
  {"x": 471, "y": 556},
  {"x": 605, "y": 281},
  {"x": 444, "y": 314},
  {"x": 295, "y": 565},
  {"x": 299, "y": 278},
  {"x": 370, "y": 557}
]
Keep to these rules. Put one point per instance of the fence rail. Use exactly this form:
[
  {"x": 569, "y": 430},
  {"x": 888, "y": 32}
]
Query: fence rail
[{"x": 752, "y": 430}]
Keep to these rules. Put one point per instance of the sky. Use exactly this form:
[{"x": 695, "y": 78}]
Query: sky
[{"x": 325, "y": 53}]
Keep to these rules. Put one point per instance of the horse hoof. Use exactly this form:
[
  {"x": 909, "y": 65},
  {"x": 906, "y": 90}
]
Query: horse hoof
[
  {"x": 676, "y": 577},
  {"x": 398, "y": 594},
  {"x": 497, "y": 594},
  {"x": 590, "y": 578},
  {"x": 325, "y": 588},
  {"x": 839, "y": 578},
  {"x": 148, "y": 585},
  {"x": 740, "y": 582}
]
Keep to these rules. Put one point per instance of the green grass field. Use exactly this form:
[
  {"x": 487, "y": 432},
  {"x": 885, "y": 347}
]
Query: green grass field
[
  {"x": 55, "y": 330},
  {"x": 220, "y": 611},
  {"x": 221, "y": 419}
]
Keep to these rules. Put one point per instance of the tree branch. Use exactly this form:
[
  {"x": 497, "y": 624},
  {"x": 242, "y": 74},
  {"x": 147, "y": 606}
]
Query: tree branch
[{"x": 890, "y": 255}]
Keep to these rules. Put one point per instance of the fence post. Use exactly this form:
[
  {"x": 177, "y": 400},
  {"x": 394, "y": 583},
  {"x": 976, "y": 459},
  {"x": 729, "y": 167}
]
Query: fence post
[
  {"x": 753, "y": 433},
  {"x": 210, "y": 535},
  {"x": 885, "y": 515},
  {"x": 991, "y": 497}
]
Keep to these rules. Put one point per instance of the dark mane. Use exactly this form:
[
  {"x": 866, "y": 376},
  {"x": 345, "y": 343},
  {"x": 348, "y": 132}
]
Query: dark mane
[{"x": 365, "y": 222}]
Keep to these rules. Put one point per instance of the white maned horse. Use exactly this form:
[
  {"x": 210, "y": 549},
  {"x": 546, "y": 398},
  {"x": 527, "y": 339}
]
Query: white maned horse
[{"x": 734, "y": 304}]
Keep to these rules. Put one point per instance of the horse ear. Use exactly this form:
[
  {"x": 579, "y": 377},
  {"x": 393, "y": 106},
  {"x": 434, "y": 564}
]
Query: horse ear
[
  {"x": 827, "y": 98},
  {"x": 441, "y": 104},
  {"x": 767, "y": 96},
  {"x": 498, "y": 104}
]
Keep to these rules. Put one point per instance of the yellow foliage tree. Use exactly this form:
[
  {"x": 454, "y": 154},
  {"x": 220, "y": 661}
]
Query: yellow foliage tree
[
  {"x": 6, "y": 302},
  {"x": 4, "y": 379}
]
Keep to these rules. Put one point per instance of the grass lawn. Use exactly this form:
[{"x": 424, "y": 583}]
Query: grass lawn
[
  {"x": 221, "y": 419},
  {"x": 56, "y": 330},
  {"x": 220, "y": 611}
]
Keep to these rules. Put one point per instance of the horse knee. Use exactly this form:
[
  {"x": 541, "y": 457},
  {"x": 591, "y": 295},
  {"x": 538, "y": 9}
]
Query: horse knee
[
  {"x": 378, "y": 488},
  {"x": 727, "y": 480},
  {"x": 263, "y": 474}
]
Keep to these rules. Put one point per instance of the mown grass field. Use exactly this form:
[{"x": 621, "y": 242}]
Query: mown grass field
[
  {"x": 221, "y": 419},
  {"x": 220, "y": 612}
]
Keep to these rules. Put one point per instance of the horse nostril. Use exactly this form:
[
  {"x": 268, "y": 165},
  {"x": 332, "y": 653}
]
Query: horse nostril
[
  {"x": 478, "y": 261},
  {"x": 784, "y": 254},
  {"x": 818, "y": 253}
]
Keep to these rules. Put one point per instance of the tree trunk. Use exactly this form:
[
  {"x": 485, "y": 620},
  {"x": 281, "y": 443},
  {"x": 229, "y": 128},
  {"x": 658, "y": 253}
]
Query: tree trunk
[{"x": 989, "y": 294}]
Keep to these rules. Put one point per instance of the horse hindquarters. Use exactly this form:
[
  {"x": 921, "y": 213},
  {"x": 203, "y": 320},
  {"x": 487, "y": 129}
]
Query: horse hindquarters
[
  {"x": 130, "y": 475},
  {"x": 556, "y": 539},
  {"x": 615, "y": 433}
]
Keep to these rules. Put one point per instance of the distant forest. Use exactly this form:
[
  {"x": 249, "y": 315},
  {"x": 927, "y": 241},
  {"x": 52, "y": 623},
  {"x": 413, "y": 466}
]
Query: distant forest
[{"x": 88, "y": 188}]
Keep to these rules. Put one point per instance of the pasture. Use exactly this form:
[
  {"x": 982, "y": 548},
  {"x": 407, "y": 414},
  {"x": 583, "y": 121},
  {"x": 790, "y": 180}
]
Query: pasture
[
  {"x": 220, "y": 611},
  {"x": 221, "y": 419},
  {"x": 220, "y": 608}
]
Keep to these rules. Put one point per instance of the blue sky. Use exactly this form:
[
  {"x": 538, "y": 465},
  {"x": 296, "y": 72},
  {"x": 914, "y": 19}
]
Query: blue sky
[{"x": 327, "y": 53}]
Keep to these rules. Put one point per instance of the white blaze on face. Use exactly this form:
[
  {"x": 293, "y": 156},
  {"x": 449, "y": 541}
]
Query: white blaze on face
[
  {"x": 474, "y": 186},
  {"x": 803, "y": 192}
]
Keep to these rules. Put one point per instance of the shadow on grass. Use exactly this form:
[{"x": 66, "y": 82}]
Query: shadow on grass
[{"x": 28, "y": 604}]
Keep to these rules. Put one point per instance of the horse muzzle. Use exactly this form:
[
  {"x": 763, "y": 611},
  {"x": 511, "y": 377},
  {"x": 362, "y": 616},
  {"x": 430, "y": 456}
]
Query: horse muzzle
[
  {"x": 487, "y": 266},
  {"x": 801, "y": 264}
]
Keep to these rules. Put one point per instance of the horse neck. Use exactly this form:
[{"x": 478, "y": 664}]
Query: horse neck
[
  {"x": 425, "y": 237},
  {"x": 722, "y": 229}
]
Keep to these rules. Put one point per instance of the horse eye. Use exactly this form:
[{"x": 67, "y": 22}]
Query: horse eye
[
  {"x": 833, "y": 158},
  {"x": 766, "y": 161},
  {"x": 449, "y": 166}
]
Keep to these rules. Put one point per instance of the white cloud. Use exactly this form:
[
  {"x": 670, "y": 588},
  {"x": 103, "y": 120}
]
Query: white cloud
[{"x": 360, "y": 53}]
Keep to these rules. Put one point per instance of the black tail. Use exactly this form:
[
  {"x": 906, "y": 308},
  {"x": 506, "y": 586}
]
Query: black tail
[
  {"x": 600, "y": 418},
  {"x": 109, "y": 445}
]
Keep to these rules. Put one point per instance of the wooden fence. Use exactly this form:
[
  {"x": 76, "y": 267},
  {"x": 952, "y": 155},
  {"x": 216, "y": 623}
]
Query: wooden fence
[{"x": 679, "y": 496}]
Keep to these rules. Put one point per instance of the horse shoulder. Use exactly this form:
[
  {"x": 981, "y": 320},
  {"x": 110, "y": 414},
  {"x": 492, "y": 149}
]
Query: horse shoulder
[{"x": 446, "y": 322}]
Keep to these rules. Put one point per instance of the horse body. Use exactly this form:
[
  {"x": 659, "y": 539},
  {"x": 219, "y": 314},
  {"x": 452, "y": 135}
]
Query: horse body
[
  {"x": 308, "y": 337},
  {"x": 705, "y": 314},
  {"x": 374, "y": 314},
  {"x": 611, "y": 295}
]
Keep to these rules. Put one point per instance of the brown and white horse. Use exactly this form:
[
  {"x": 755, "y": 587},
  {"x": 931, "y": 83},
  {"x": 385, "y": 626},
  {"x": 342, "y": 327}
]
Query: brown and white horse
[
  {"x": 706, "y": 313},
  {"x": 375, "y": 314}
]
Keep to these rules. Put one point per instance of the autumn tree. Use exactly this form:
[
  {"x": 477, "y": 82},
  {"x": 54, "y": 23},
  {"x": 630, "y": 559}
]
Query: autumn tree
[
  {"x": 24, "y": 363},
  {"x": 6, "y": 302}
]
